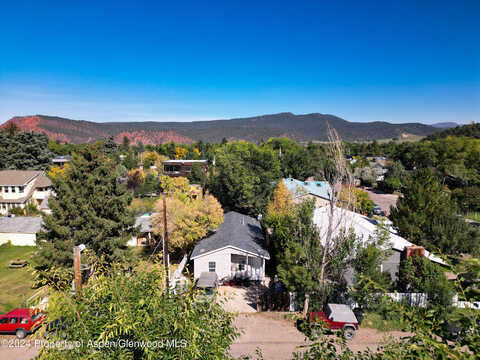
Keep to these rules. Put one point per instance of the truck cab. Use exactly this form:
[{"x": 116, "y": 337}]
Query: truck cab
[{"x": 21, "y": 322}]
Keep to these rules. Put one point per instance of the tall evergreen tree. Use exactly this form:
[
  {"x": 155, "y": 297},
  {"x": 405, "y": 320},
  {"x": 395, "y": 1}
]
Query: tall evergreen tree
[
  {"x": 90, "y": 207},
  {"x": 426, "y": 215},
  {"x": 24, "y": 150}
]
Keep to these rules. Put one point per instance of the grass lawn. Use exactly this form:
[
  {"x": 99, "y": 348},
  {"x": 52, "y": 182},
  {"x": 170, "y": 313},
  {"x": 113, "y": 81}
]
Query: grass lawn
[
  {"x": 15, "y": 284},
  {"x": 143, "y": 205},
  {"x": 475, "y": 216},
  {"x": 376, "y": 321}
]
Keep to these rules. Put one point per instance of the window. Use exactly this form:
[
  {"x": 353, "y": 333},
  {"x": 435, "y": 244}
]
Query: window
[
  {"x": 21, "y": 189},
  {"x": 13, "y": 189},
  {"x": 241, "y": 267},
  {"x": 5, "y": 189},
  {"x": 211, "y": 266},
  {"x": 23, "y": 320},
  {"x": 13, "y": 320},
  {"x": 186, "y": 168},
  {"x": 3, "y": 320}
]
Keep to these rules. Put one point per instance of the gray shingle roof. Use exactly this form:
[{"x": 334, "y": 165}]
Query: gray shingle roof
[
  {"x": 237, "y": 230},
  {"x": 22, "y": 225},
  {"x": 145, "y": 223},
  {"x": 43, "y": 181}
]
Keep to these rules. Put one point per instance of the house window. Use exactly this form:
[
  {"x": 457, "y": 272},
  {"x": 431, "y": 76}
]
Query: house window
[
  {"x": 211, "y": 266},
  {"x": 5, "y": 189},
  {"x": 21, "y": 189},
  {"x": 241, "y": 267},
  {"x": 13, "y": 189}
]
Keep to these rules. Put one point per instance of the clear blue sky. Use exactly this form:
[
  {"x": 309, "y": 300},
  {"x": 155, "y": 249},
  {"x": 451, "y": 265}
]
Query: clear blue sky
[{"x": 397, "y": 61}]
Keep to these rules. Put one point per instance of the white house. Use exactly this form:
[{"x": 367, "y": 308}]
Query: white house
[
  {"x": 21, "y": 187},
  {"x": 145, "y": 237},
  {"x": 20, "y": 231},
  {"x": 364, "y": 229},
  {"x": 235, "y": 250}
]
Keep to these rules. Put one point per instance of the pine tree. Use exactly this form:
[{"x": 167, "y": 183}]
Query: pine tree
[
  {"x": 426, "y": 215},
  {"x": 90, "y": 207}
]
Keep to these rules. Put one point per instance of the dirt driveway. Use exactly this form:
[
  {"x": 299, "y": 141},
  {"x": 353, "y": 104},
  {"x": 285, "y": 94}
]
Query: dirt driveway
[
  {"x": 12, "y": 348},
  {"x": 238, "y": 299},
  {"x": 278, "y": 338}
]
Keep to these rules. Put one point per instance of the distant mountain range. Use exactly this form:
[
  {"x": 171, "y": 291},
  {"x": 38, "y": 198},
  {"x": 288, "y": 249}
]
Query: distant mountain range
[
  {"x": 297, "y": 127},
  {"x": 445, "y": 125}
]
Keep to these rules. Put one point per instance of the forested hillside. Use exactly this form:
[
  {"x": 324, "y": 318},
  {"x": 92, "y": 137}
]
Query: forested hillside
[
  {"x": 296, "y": 127},
  {"x": 472, "y": 130}
]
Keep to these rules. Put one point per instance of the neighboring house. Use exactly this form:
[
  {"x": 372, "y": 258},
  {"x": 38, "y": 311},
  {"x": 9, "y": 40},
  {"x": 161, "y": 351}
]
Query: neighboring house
[
  {"x": 321, "y": 191},
  {"x": 364, "y": 229},
  {"x": 176, "y": 168},
  {"x": 19, "y": 188},
  {"x": 20, "y": 231},
  {"x": 235, "y": 250},
  {"x": 380, "y": 171},
  {"x": 145, "y": 237},
  {"x": 62, "y": 160}
]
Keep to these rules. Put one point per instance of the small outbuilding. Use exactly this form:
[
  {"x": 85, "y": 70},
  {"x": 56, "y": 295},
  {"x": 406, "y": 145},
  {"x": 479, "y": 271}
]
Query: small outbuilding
[
  {"x": 20, "y": 231},
  {"x": 236, "y": 250}
]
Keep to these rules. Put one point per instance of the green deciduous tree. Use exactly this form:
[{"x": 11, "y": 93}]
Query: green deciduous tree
[
  {"x": 196, "y": 175},
  {"x": 133, "y": 313},
  {"x": 421, "y": 275},
  {"x": 245, "y": 176},
  {"x": 89, "y": 207}
]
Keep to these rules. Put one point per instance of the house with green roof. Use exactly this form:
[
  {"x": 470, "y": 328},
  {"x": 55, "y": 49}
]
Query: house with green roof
[{"x": 321, "y": 191}]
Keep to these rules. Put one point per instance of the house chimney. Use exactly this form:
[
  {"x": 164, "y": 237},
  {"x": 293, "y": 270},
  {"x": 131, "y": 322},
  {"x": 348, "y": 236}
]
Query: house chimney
[
  {"x": 414, "y": 250},
  {"x": 268, "y": 232}
]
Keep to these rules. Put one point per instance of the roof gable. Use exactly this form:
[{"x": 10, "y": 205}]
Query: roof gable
[{"x": 238, "y": 231}]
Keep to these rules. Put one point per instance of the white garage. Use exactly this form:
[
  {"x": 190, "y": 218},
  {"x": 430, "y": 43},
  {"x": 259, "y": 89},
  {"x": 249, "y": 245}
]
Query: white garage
[{"x": 20, "y": 231}]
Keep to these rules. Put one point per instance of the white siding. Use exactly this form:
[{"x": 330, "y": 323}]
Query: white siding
[
  {"x": 18, "y": 239},
  {"x": 223, "y": 266}
]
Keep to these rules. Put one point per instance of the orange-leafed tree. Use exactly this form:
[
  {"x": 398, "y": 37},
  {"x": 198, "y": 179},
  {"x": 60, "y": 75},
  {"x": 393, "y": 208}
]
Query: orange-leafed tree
[{"x": 282, "y": 202}]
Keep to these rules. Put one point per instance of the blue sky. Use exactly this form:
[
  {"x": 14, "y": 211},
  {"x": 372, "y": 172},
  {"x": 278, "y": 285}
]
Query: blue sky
[{"x": 397, "y": 61}]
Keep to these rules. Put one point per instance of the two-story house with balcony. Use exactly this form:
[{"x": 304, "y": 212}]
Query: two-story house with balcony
[
  {"x": 21, "y": 187},
  {"x": 176, "y": 168}
]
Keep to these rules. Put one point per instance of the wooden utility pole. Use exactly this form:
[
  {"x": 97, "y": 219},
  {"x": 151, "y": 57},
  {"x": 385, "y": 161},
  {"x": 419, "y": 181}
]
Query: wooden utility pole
[
  {"x": 165, "y": 240},
  {"x": 76, "y": 270}
]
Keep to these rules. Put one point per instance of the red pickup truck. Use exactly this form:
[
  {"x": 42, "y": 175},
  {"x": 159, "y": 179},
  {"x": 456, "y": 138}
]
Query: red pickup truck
[
  {"x": 21, "y": 322},
  {"x": 336, "y": 317}
]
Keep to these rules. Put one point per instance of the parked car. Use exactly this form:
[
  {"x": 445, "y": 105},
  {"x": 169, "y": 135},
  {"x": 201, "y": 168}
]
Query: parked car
[
  {"x": 21, "y": 322},
  {"x": 336, "y": 317},
  {"x": 377, "y": 210}
]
